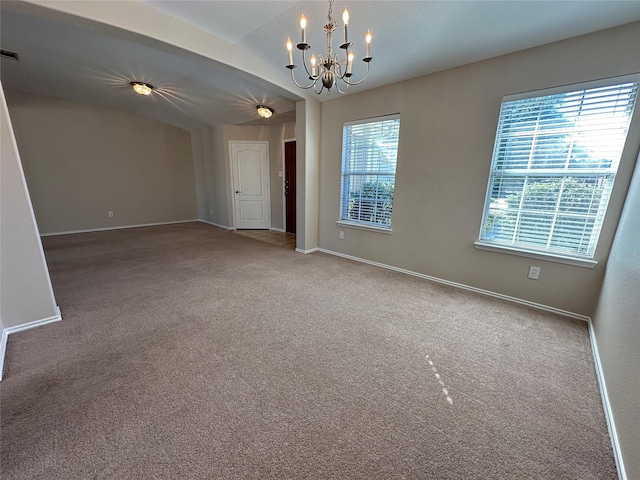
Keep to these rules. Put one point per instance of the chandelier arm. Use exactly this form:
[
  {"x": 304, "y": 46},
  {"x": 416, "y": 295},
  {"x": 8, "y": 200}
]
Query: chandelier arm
[
  {"x": 342, "y": 92},
  {"x": 302, "y": 86},
  {"x": 339, "y": 65},
  {"x": 306, "y": 69},
  {"x": 359, "y": 81}
]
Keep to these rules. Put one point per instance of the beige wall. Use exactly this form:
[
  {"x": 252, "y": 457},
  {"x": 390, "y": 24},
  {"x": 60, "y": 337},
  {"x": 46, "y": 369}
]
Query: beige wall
[
  {"x": 448, "y": 126},
  {"x": 308, "y": 118},
  {"x": 211, "y": 175},
  {"x": 198, "y": 151},
  {"x": 83, "y": 161},
  {"x": 616, "y": 326},
  {"x": 26, "y": 294}
]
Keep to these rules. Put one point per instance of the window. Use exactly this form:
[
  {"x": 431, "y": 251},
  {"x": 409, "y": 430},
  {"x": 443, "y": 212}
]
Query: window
[
  {"x": 369, "y": 155},
  {"x": 554, "y": 163}
]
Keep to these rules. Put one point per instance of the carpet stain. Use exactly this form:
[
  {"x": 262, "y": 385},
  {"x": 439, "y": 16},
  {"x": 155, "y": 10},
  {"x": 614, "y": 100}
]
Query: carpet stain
[{"x": 445, "y": 390}]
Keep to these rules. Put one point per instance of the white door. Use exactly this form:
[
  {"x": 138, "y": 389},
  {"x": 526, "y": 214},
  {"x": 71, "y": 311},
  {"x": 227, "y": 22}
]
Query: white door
[{"x": 250, "y": 170}]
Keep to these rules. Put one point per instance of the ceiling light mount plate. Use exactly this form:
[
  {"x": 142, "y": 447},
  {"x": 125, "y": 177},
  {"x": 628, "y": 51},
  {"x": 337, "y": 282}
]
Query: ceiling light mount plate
[{"x": 142, "y": 88}]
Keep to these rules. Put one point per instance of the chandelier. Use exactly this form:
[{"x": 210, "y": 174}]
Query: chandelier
[{"x": 326, "y": 72}]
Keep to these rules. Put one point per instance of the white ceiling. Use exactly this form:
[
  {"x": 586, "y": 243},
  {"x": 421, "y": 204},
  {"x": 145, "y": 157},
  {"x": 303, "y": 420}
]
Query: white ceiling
[{"x": 78, "y": 59}]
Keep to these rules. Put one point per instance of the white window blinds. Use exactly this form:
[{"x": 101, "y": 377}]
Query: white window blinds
[
  {"x": 554, "y": 163},
  {"x": 369, "y": 156}
]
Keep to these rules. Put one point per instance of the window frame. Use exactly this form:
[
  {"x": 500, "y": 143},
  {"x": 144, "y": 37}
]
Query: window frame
[
  {"x": 583, "y": 260},
  {"x": 364, "y": 225}
]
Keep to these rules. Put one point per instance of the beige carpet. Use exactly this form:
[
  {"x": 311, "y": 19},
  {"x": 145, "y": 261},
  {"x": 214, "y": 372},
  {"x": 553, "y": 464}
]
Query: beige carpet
[
  {"x": 280, "y": 239},
  {"x": 190, "y": 352}
]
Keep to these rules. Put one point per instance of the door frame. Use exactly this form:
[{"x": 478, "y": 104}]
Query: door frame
[
  {"x": 284, "y": 197},
  {"x": 232, "y": 172}
]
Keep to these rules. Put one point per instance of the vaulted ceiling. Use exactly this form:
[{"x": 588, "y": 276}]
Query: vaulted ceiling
[{"x": 212, "y": 62}]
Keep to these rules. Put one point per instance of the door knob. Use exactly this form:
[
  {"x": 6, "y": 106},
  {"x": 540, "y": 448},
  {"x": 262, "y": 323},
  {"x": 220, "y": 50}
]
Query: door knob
[{"x": 238, "y": 191}]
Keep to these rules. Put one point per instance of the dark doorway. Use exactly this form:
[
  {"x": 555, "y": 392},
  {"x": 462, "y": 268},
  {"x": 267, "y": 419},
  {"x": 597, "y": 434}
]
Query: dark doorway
[{"x": 290, "y": 185}]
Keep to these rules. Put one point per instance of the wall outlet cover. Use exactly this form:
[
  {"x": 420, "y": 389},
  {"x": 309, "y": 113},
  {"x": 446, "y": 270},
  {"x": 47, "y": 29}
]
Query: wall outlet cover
[{"x": 534, "y": 273}]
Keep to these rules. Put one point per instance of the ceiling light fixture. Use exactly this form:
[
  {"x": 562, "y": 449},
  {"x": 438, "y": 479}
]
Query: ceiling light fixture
[
  {"x": 328, "y": 69},
  {"x": 142, "y": 88},
  {"x": 264, "y": 111}
]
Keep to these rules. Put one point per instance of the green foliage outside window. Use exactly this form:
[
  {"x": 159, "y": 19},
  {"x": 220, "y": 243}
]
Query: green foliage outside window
[
  {"x": 548, "y": 211},
  {"x": 372, "y": 203}
]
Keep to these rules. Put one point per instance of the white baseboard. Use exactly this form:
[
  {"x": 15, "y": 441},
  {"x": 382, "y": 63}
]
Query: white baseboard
[
  {"x": 36, "y": 323},
  {"x": 608, "y": 412},
  {"x": 20, "y": 328},
  {"x": 3, "y": 349},
  {"x": 216, "y": 225},
  {"x": 281, "y": 230},
  {"x": 539, "y": 306},
  {"x": 71, "y": 232},
  {"x": 311, "y": 250}
]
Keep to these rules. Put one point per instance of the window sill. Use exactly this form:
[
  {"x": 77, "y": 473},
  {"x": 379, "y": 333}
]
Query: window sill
[
  {"x": 360, "y": 226},
  {"x": 578, "y": 262}
]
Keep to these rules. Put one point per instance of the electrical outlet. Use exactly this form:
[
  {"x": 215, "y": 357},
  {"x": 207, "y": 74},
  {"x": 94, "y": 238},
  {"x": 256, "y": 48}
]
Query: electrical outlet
[
  {"x": 534, "y": 272},
  {"x": 110, "y": 214},
  {"x": 341, "y": 235}
]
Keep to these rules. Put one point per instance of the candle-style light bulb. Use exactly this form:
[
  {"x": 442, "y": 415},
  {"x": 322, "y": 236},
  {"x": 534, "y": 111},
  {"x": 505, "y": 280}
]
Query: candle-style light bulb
[
  {"x": 345, "y": 19},
  {"x": 290, "y": 50},
  {"x": 314, "y": 61},
  {"x": 303, "y": 27},
  {"x": 368, "y": 40},
  {"x": 349, "y": 62}
]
